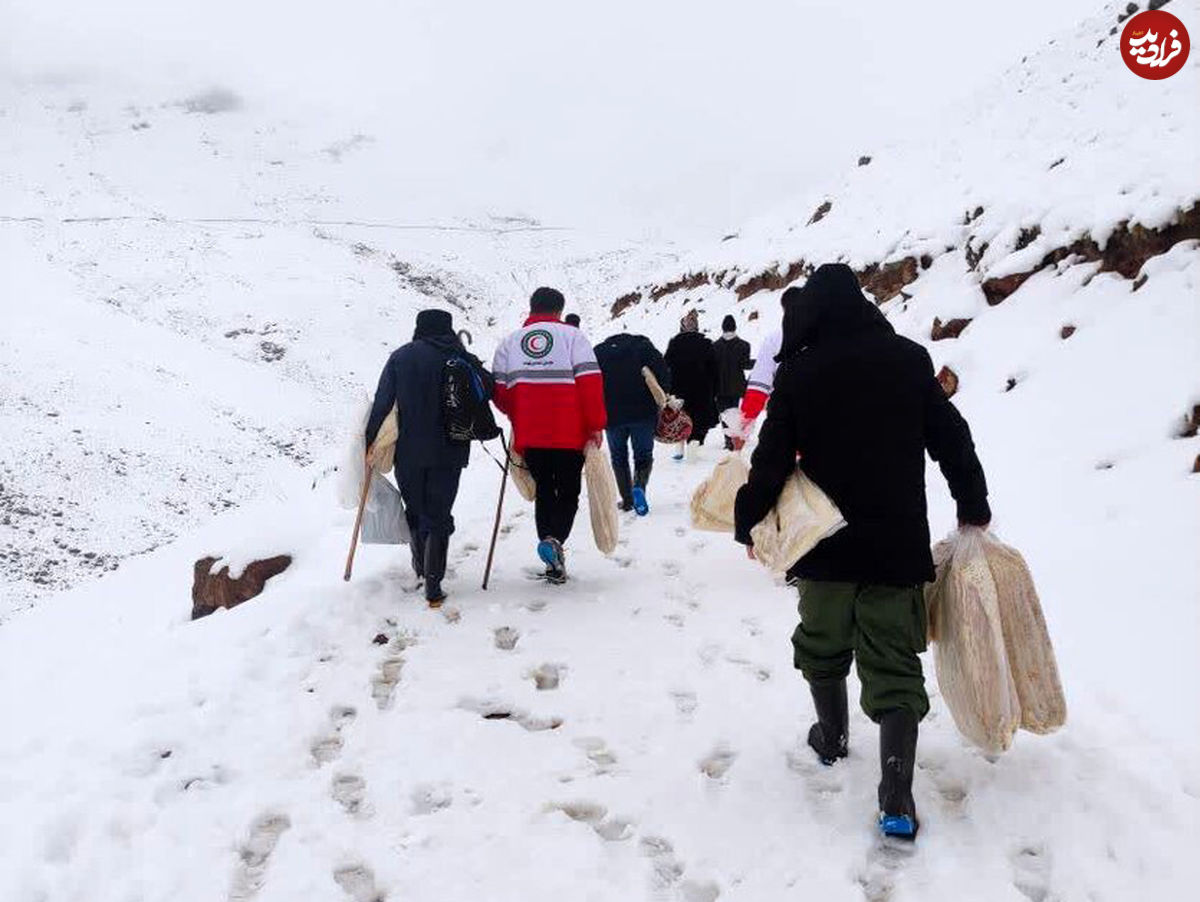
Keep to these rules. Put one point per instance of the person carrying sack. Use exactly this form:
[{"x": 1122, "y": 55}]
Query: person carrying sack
[
  {"x": 548, "y": 384},
  {"x": 861, "y": 406},
  {"x": 733, "y": 359},
  {"x": 433, "y": 444},
  {"x": 693, "y": 368},
  {"x": 632, "y": 412}
]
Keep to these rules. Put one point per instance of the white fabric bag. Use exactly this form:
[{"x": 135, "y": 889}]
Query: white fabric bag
[
  {"x": 969, "y": 651},
  {"x": 802, "y": 517},
  {"x": 518, "y": 472},
  {"x": 713, "y": 500},
  {"x": 602, "y": 497}
]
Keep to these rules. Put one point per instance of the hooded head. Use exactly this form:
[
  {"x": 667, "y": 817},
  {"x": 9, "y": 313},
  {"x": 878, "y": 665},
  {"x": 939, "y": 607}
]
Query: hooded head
[
  {"x": 690, "y": 321},
  {"x": 572, "y": 319},
  {"x": 830, "y": 307},
  {"x": 728, "y": 324},
  {"x": 433, "y": 322}
]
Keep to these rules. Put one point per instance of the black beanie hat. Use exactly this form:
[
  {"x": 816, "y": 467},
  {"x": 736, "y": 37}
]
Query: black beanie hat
[
  {"x": 434, "y": 322},
  {"x": 728, "y": 324},
  {"x": 547, "y": 300}
]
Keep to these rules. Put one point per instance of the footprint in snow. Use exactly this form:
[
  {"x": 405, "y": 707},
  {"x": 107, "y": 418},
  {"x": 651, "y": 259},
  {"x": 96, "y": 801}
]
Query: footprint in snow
[
  {"x": 610, "y": 829},
  {"x": 350, "y": 791},
  {"x": 760, "y": 672},
  {"x": 666, "y": 869},
  {"x": 670, "y": 568},
  {"x": 885, "y": 859},
  {"x": 327, "y": 748},
  {"x": 716, "y": 764},
  {"x": 429, "y": 798},
  {"x": 383, "y": 683},
  {"x": 255, "y": 854},
  {"x": 676, "y": 620},
  {"x": 602, "y": 757},
  {"x": 358, "y": 883},
  {"x": 535, "y": 605},
  {"x": 685, "y": 702},
  {"x": 548, "y": 676},
  {"x": 1031, "y": 872},
  {"x": 699, "y": 891},
  {"x": 505, "y": 638},
  {"x": 498, "y": 710}
]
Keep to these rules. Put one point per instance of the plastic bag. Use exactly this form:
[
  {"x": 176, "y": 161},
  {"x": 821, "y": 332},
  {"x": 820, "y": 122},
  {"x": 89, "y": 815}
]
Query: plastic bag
[
  {"x": 969, "y": 654},
  {"x": 802, "y": 517},
  {"x": 602, "y": 497},
  {"x": 713, "y": 500},
  {"x": 383, "y": 521}
]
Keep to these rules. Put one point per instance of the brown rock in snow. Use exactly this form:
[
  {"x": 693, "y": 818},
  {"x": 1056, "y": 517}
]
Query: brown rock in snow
[
  {"x": 948, "y": 380},
  {"x": 949, "y": 329},
  {"x": 219, "y": 590}
]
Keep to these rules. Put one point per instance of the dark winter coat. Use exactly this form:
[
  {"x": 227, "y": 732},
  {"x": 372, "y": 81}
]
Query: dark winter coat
[
  {"x": 621, "y": 358},
  {"x": 412, "y": 380},
  {"x": 733, "y": 359},
  {"x": 694, "y": 376},
  {"x": 861, "y": 406}
]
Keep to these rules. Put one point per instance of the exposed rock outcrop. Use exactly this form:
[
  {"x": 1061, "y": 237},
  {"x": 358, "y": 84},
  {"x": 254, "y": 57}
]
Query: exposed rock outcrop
[
  {"x": 886, "y": 280},
  {"x": 219, "y": 590},
  {"x": 948, "y": 380},
  {"x": 950, "y": 329}
]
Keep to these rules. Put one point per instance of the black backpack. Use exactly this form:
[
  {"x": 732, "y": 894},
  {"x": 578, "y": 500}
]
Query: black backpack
[{"x": 466, "y": 413}]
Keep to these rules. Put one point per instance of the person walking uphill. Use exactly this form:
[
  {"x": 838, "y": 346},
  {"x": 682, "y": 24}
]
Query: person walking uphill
[
  {"x": 733, "y": 359},
  {"x": 861, "y": 406},
  {"x": 549, "y": 385},
  {"x": 428, "y": 464},
  {"x": 632, "y": 411},
  {"x": 694, "y": 376}
]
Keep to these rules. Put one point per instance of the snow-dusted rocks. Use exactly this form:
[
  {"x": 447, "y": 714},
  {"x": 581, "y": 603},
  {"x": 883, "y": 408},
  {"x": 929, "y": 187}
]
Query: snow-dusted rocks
[{"x": 221, "y": 589}]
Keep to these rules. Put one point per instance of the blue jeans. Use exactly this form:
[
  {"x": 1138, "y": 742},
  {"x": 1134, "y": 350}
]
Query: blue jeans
[{"x": 639, "y": 434}]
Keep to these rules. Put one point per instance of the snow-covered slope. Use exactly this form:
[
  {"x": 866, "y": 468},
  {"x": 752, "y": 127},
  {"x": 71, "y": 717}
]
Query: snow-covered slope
[
  {"x": 639, "y": 733},
  {"x": 169, "y": 339}
]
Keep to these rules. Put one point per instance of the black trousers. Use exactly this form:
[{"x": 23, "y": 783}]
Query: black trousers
[
  {"x": 558, "y": 473},
  {"x": 428, "y": 494}
]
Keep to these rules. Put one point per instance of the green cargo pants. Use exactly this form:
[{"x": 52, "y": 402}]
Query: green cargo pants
[{"x": 883, "y": 627}]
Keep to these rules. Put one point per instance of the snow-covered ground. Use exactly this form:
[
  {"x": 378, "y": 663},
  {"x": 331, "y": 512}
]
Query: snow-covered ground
[{"x": 179, "y": 360}]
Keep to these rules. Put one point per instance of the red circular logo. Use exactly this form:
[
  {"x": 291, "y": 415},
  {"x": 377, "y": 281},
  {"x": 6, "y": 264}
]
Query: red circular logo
[{"x": 1155, "y": 44}]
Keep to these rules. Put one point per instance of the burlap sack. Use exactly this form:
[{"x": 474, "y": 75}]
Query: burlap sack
[
  {"x": 802, "y": 517},
  {"x": 602, "y": 497},
  {"x": 969, "y": 655},
  {"x": 518, "y": 472},
  {"x": 712, "y": 502}
]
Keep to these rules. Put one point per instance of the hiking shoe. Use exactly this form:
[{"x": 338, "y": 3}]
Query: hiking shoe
[{"x": 550, "y": 550}]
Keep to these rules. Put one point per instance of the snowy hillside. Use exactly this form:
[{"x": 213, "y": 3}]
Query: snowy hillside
[
  {"x": 179, "y": 361},
  {"x": 169, "y": 341}
]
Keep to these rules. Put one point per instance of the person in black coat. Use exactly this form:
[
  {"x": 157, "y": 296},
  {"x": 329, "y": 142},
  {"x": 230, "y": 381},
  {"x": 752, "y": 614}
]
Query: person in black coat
[
  {"x": 860, "y": 406},
  {"x": 428, "y": 465},
  {"x": 694, "y": 376},
  {"x": 733, "y": 359},
  {"x": 632, "y": 411}
]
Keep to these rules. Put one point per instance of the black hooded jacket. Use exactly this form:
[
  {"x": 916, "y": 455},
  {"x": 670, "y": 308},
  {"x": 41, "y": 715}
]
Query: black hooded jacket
[
  {"x": 693, "y": 368},
  {"x": 861, "y": 406},
  {"x": 412, "y": 380},
  {"x": 626, "y": 397}
]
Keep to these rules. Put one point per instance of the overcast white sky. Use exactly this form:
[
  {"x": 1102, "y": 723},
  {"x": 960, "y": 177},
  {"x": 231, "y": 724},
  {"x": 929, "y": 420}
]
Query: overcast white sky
[{"x": 683, "y": 113}]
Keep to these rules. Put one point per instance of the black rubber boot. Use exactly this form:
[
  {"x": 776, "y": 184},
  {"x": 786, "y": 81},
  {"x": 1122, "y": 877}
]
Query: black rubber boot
[
  {"x": 897, "y": 755},
  {"x": 436, "y": 548},
  {"x": 624, "y": 488},
  {"x": 416, "y": 547},
  {"x": 829, "y": 737}
]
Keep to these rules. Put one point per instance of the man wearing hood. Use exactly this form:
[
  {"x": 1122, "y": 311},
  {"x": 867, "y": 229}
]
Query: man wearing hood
[
  {"x": 860, "y": 406},
  {"x": 428, "y": 464}
]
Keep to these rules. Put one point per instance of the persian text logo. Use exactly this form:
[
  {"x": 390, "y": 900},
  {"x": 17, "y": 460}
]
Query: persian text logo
[
  {"x": 537, "y": 344},
  {"x": 1155, "y": 44}
]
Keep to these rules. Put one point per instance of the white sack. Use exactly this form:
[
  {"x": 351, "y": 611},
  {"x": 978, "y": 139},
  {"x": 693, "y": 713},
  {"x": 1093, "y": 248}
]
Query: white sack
[
  {"x": 802, "y": 517},
  {"x": 602, "y": 497}
]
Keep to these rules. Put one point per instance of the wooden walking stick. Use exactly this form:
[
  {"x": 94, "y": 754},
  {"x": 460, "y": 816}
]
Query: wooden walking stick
[
  {"x": 362, "y": 505},
  {"x": 487, "y": 570}
]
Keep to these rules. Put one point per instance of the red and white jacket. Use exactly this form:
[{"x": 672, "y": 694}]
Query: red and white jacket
[
  {"x": 549, "y": 384},
  {"x": 762, "y": 377}
]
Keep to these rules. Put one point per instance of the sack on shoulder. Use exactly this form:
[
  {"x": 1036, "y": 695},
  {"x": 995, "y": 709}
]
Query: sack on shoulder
[{"x": 466, "y": 414}]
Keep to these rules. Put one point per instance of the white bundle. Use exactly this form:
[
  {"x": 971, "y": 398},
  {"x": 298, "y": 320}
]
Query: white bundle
[
  {"x": 602, "y": 497},
  {"x": 802, "y": 517},
  {"x": 713, "y": 500}
]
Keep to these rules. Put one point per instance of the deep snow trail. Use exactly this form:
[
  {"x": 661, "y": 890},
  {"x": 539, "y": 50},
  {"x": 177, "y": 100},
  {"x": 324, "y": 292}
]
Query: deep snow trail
[{"x": 635, "y": 734}]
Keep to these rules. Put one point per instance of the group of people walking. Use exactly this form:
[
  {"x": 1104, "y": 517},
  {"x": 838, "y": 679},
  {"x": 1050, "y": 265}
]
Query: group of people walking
[{"x": 856, "y": 404}]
